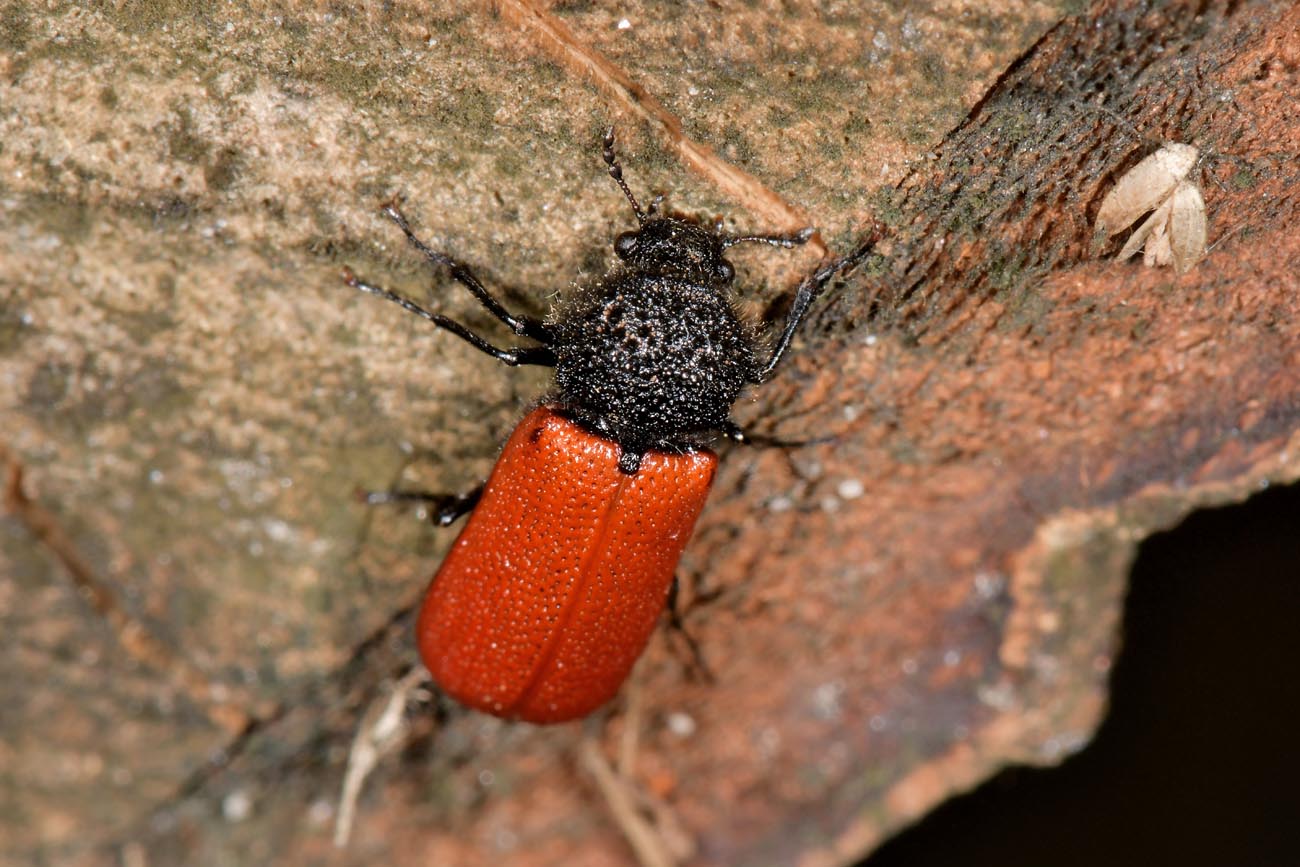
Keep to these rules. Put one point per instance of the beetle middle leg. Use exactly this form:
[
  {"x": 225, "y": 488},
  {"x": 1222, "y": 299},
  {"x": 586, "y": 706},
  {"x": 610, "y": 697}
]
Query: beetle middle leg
[{"x": 444, "y": 509}]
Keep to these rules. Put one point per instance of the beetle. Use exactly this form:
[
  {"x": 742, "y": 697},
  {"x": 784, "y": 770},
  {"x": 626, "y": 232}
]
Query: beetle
[{"x": 552, "y": 589}]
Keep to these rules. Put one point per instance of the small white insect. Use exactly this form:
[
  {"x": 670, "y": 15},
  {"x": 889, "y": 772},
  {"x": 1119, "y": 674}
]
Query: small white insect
[{"x": 1175, "y": 231}]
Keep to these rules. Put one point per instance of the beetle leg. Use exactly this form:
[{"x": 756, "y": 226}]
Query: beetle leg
[
  {"x": 696, "y": 665},
  {"x": 811, "y": 288},
  {"x": 444, "y": 509},
  {"x": 774, "y": 240},
  {"x": 524, "y": 326},
  {"x": 540, "y": 355},
  {"x": 737, "y": 434},
  {"x": 805, "y": 295}
]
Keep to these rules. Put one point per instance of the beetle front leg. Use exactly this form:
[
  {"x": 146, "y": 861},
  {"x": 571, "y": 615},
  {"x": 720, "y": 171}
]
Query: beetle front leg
[
  {"x": 805, "y": 295},
  {"x": 543, "y": 355},
  {"x": 774, "y": 239},
  {"x": 524, "y": 326}
]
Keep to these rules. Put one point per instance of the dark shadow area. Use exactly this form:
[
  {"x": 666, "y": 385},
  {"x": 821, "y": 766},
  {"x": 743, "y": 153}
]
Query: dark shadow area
[{"x": 1198, "y": 761}]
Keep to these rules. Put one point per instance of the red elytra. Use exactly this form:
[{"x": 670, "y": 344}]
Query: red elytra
[{"x": 554, "y": 585}]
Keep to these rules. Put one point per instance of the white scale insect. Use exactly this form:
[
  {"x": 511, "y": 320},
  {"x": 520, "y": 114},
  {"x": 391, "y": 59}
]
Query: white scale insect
[{"x": 1175, "y": 231}]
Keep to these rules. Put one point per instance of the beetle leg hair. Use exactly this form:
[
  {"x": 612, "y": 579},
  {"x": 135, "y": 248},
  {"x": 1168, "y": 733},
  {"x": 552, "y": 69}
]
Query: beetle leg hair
[{"x": 524, "y": 326}]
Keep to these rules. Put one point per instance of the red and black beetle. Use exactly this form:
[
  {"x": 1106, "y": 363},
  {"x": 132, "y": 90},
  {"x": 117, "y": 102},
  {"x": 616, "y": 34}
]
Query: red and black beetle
[{"x": 553, "y": 587}]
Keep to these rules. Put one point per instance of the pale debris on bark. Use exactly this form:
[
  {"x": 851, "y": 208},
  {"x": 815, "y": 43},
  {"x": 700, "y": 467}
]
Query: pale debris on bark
[
  {"x": 1175, "y": 232},
  {"x": 383, "y": 731}
]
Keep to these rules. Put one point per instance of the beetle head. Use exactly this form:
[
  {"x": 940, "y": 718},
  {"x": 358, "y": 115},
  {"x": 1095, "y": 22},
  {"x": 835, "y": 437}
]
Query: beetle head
[{"x": 673, "y": 247}]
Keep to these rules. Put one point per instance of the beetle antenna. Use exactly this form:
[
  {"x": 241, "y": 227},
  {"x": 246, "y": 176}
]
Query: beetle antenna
[{"x": 616, "y": 172}]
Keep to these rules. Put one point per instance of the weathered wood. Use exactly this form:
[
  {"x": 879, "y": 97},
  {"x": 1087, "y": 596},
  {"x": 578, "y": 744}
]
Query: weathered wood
[{"x": 194, "y": 395}]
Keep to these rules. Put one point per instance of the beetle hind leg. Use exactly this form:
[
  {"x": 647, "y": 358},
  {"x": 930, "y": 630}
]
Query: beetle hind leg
[{"x": 696, "y": 667}]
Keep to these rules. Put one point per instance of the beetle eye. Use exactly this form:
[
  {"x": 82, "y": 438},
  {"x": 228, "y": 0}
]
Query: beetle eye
[
  {"x": 725, "y": 271},
  {"x": 624, "y": 244}
]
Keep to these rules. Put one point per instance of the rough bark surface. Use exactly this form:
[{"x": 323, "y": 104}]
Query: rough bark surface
[{"x": 194, "y": 612}]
